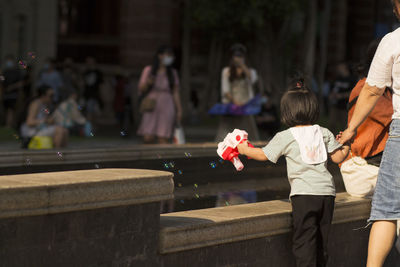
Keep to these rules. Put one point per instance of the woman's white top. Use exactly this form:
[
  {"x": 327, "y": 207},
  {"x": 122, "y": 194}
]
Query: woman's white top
[
  {"x": 385, "y": 68},
  {"x": 226, "y": 84}
]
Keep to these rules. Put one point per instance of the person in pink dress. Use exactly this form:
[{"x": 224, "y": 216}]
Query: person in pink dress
[{"x": 161, "y": 83}]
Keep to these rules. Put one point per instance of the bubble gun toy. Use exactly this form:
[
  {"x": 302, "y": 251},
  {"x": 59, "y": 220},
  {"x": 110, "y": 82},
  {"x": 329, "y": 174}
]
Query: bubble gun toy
[{"x": 227, "y": 149}]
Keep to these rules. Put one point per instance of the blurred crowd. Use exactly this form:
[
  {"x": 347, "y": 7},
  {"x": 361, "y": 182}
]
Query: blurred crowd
[
  {"x": 62, "y": 98},
  {"x": 82, "y": 97}
]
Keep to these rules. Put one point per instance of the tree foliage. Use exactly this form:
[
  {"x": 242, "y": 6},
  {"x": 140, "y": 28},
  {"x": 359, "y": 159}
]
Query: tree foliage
[{"x": 228, "y": 19}]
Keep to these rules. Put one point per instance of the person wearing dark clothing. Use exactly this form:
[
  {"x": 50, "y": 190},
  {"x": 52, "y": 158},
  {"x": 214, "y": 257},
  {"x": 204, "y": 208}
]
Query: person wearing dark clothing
[
  {"x": 93, "y": 78},
  {"x": 13, "y": 89},
  {"x": 341, "y": 89}
]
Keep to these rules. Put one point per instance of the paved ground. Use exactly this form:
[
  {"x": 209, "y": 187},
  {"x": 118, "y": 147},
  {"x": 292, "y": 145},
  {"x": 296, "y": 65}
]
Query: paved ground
[{"x": 111, "y": 137}]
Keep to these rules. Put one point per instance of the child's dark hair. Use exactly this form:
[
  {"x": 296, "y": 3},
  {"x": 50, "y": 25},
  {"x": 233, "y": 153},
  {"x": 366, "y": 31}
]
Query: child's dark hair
[{"x": 299, "y": 105}]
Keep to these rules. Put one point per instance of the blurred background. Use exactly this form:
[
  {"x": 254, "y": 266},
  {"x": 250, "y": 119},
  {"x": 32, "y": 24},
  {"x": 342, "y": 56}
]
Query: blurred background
[{"x": 92, "y": 54}]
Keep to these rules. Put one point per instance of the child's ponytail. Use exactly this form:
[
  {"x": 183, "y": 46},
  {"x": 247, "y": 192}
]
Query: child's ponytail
[{"x": 297, "y": 83}]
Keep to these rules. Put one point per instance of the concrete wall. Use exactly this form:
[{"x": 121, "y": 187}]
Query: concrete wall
[
  {"x": 260, "y": 235},
  {"x": 82, "y": 218},
  {"x": 28, "y": 26},
  {"x": 110, "y": 217}
]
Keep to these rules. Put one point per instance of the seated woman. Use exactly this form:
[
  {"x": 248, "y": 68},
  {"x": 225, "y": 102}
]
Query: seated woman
[
  {"x": 237, "y": 81},
  {"x": 40, "y": 123},
  {"x": 69, "y": 116},
  {"x": 360, "y": 169}
]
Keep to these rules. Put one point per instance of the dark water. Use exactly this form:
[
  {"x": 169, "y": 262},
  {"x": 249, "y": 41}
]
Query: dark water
[{"x": 202, "y": 182}]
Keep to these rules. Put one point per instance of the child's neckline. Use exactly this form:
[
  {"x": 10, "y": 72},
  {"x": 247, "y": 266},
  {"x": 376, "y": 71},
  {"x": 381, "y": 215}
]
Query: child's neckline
[{"x": 307, "y": 125}]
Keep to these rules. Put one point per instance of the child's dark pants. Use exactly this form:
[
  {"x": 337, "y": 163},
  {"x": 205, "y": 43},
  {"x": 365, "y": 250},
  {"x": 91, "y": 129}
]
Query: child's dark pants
[{"x": 312, "y": 217}]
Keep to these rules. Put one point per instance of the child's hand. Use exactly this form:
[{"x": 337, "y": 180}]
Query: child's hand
[
  {"x": 242, "y": 146},
  {"x": 339, "y": 135}
]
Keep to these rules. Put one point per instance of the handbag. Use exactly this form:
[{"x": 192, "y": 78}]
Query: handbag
[
  {"x": 41, "y": 142},
  {"x": 147, "y": 104},
  {"x": 359, "y": 177}
]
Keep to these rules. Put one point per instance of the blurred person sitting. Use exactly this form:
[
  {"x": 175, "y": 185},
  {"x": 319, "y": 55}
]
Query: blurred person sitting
[
  {"x": 13, "y": 85},
  {"x": 237, "y": 81},
  {"x": 68, "y": 115},
  {"x": 39, "y": 122},
  {"x": 71, "y": 78},
  {"x": 51, "y": 77},
  {"x": 92, "y": 79}
]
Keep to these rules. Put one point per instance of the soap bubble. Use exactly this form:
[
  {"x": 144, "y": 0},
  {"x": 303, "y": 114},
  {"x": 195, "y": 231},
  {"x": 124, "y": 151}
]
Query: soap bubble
[
  {"x": 32, "y": 55},
  {"x": 22, "y": 64},
  {"x": 213, "y": 164},
  {"x": 169, "y": 165},
  {"x": 180, "y": 172}
]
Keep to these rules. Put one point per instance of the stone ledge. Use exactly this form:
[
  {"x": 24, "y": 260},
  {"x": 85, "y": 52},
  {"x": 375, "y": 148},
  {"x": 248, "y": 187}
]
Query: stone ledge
[
  {"x": 54, "y": 192},
  {"x": 201, "y": 228},
  {"x": 99, "y": 155}
]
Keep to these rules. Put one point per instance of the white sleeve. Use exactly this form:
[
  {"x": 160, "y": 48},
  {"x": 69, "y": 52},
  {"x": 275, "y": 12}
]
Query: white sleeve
[
  {"x": 225, "y": 85},
  {"x": 253, "y": 76},
  {"x": 380, "y": 72}
]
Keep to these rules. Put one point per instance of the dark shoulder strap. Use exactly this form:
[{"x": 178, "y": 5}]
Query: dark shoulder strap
[
  {"x": 351, "y": 104},
  {"x": 388, "y": 91}
]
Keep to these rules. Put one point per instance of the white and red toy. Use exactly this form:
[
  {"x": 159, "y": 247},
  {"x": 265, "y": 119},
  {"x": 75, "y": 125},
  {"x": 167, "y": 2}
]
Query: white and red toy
[{"x": 227, "y": 149}]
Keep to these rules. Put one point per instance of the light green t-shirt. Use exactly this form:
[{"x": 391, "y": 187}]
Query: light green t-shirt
[{"x": 304, "y": 179}]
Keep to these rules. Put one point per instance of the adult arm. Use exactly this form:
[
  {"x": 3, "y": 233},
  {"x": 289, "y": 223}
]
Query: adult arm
[
  {"x": 379, "y": 77},
  {"x": 31, "y": 120},
  {"x": 145, "y": 80},
  {"x": 365, "y": 104},
  {"x": 225, "y": 87}
]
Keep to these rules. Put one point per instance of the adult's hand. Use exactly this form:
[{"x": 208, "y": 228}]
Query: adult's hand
[{"x": 347, "y": 136}]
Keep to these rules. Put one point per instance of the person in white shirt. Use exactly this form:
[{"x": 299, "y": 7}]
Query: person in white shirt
[
  {"x": 385, "y": 211},
  {"x": 237, "y": 82}
]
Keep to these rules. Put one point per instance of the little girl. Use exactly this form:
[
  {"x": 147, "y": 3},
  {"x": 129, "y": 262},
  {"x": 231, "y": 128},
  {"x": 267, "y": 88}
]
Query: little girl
[{"x": 305, "y": 146}]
